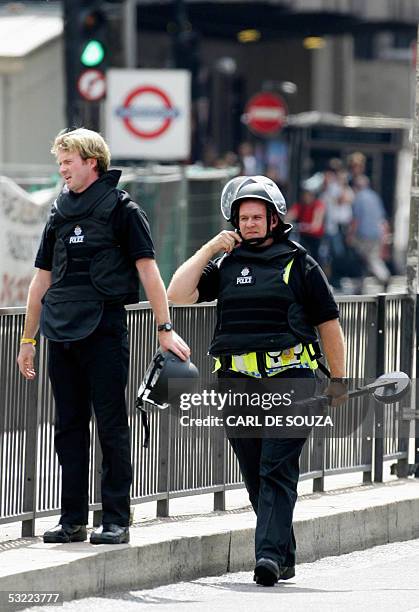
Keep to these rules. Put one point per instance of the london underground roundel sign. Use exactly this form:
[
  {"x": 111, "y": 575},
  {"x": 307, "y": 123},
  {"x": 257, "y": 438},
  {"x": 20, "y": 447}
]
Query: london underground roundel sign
[
  {"x": 265, "y": 113},
  {"x": 148, "y": 111},
  {"x": 148, "y": 114}
]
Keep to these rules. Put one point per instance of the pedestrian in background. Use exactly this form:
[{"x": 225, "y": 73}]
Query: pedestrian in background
[
  {"x": 367, "y": 231},
  {"x": 309, "y": 214},
  {"x": 247, "y": 158},
  {"x": 94, "y": 248},
  {"x": 337, "y": 196},
  {"x": 356, "y": 164}
]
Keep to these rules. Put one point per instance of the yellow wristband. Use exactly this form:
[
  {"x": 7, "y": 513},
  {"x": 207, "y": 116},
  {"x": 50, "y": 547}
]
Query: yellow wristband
[{"x": 28, "y": 341}]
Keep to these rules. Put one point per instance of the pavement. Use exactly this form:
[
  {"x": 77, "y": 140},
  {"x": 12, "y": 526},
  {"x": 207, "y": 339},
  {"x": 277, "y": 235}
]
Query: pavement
[
  {"x": 383, "y": 579},
  {"x": 198, "y": 542}
]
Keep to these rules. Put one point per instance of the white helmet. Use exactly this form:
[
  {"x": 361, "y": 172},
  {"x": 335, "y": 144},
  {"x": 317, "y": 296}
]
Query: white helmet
[{"x": 255, "y": 187}]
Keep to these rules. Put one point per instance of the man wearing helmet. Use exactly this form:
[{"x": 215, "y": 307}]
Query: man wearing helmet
[{"x": 271, "y": 298}]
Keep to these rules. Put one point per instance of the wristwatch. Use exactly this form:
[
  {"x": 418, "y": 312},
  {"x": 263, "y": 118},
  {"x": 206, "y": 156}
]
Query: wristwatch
[{"x": 165, "y": 327}]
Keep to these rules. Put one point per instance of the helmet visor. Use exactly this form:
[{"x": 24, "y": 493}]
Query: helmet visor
[
  {"x": 229, "y": 194},
  {"x": 150, "y": 380}
]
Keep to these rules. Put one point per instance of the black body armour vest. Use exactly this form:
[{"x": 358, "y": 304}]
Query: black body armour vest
[
  {"x": 256, "y": 308},
  {"x": 89, "y": 266}
]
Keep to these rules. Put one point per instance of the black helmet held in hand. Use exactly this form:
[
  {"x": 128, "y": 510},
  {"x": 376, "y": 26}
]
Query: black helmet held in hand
[
  {"x": 154, "y": 387},
  {"x": 166, "y": 366}
]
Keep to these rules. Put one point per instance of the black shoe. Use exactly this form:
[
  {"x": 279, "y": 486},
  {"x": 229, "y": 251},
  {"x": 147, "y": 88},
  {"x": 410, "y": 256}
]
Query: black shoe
[
  {"x": 110, "y": 534},
  {"x": 285, "y": 573},
  {"x": 62, "y": 534},
  {"x": 266, "y": 572}
]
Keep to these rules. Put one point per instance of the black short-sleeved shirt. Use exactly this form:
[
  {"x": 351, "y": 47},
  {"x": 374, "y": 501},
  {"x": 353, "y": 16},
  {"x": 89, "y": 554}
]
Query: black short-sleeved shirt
[
  {"x": 307, "y": 281},
  {"x": 131, "y": 228}
]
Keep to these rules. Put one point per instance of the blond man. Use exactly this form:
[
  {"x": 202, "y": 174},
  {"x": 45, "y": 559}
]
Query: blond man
[{"x": 95, "y": 249}]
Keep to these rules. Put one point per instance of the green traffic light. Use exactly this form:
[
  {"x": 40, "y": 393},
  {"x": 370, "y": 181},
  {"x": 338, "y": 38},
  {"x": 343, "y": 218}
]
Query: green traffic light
[{"x": 93, "y": 53}]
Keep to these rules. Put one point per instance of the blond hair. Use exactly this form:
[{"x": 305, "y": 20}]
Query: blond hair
[
  {"x": 356, "y": 158},
  {"x": 87, "y": 143}
]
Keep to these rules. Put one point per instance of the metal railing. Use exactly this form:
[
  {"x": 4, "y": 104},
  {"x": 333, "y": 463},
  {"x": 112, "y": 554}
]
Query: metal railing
[{"x": 380, "y": 336}]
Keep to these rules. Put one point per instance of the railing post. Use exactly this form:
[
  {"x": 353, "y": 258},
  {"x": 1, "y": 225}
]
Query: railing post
[
  {"x": 219, "y": 460},
  {"x": 407, "y": 343},
  {"x": 163, "y": 465},
  {"x": 367, "y": 441},
  {"x": 317, "y": 463},
  {"x": 31, "y": 451},
  {"x": 379, "y": 408}
]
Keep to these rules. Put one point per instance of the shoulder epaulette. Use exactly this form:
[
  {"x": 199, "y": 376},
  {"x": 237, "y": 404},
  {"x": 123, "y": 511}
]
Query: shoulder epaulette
[
  {"x": 220, "y": 260},
  {"x": 296, "y": 245}
]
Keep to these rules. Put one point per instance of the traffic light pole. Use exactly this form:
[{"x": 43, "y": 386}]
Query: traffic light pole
[
  {"x": 85, "y": 59},
  {"x": 72, "y": 10},
  {"x": 130, "y": 33}
]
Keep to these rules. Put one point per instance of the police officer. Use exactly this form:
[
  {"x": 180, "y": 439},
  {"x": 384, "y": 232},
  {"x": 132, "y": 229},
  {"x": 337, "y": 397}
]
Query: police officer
[
  {"x": 94, "y": 248},
  {"x": 271, "y": 298}
]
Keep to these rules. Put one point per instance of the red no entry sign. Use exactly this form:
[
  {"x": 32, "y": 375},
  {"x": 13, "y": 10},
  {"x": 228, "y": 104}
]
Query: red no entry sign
[{"x": 265, "y": 113}]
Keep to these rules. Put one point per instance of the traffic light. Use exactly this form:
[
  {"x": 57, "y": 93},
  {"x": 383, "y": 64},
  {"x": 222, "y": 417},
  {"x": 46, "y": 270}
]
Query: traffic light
[
  {"x": 86, "y": 55},
  {"x": 92, "y": 36}
]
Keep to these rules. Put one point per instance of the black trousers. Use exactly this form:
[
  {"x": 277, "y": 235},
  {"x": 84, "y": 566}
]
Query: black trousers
[
  {"x": 86, "y": 373},
  {"x": 270, "y": 470}
]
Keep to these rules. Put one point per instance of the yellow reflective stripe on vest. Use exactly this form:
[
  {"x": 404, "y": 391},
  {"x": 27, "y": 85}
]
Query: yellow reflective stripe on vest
[
  {"x": 286, "y": 274},
  {"x": 217, "y": 365},
  {"x": 295, "y": 357},
  {"x": 244, "y": 364},
  {"x": 275, "y": 362}
]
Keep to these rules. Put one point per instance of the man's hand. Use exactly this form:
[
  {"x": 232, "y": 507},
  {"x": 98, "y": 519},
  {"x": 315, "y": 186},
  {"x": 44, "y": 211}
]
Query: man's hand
[
  {"x": 224, "y": 241},
  {"x": 25, "y": 361},
  {"x": 337, "y": 390},
  {"x": 170, "y": 341},
  {"x": 183, "y": 288}
]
